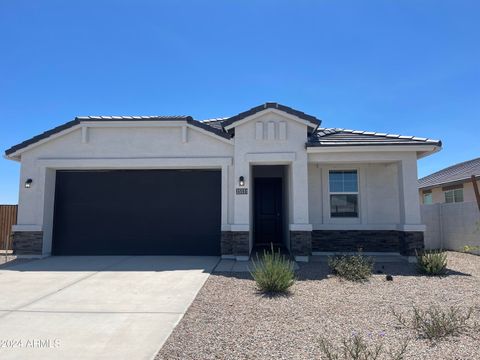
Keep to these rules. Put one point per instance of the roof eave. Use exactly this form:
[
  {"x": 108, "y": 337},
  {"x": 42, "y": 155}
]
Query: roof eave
[
  {"x": 12, "y": 157},
  {"x": 436, "y": 149},
  {"x": 423, "y": 148},
  {"x": 320, "y": 144},
  {"x": 14, "y": 152}
]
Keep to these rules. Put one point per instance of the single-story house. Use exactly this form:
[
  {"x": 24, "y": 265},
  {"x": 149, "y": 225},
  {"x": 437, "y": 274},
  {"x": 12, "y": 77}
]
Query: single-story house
[
  {"x": 451, "y": 185},
  {"x": 172, "y": 185}
]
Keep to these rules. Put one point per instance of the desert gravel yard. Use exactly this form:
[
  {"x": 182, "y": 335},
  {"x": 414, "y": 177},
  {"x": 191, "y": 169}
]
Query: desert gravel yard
[{"x": 229, "y": 319}]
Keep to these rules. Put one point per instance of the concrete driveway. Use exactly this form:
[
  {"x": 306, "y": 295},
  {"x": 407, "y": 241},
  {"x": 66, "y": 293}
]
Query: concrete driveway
[{"x": 98, "y": 307}]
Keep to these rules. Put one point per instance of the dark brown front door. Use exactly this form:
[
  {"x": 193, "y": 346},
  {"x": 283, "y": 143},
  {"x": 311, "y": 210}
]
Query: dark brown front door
[{"x": 268, "y": 210}]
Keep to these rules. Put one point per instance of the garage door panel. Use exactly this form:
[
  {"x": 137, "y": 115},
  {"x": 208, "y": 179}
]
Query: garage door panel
[{"x": 138, "y": 212}]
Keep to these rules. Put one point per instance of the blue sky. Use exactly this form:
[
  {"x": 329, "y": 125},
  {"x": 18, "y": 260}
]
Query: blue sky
[{"x": 408, "y": 67}]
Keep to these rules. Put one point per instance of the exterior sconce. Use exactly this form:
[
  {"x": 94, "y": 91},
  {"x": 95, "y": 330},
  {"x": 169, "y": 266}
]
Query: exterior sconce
[
  {"x": 28, "y": 183},
  {"x": 241, "y": 181}
]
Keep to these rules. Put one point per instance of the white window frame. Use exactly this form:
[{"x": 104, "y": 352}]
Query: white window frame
[
  {"x": 453, "y": 195},
  {"x": 343, "y": 193},
  {"x": 424, "y": 195}
]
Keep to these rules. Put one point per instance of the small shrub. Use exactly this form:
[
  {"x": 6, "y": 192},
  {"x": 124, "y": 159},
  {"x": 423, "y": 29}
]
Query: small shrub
[
  {"x": 273, "y": 272},
  {"x": 435, "y": 323},
  {"x": 359, "y": 348},
  {"x": 351, "y": 267},
  {"x": 470, "y": 249},
  {"x": 432, "y": 262}
]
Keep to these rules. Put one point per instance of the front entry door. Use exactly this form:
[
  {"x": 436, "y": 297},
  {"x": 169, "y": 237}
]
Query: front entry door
[{"x": 268, "y": 211}]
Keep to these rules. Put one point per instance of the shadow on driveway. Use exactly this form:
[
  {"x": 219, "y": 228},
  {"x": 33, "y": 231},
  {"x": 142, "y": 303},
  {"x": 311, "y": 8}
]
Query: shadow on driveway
[{"x": 113, "y": 263}]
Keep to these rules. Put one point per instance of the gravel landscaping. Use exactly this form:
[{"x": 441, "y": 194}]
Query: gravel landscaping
[{"x": 229, "y": 319}]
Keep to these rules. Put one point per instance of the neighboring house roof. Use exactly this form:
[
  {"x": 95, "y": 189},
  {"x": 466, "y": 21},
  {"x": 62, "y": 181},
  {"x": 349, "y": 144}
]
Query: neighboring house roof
[
  {"x": 346, "y": 137},
  {"x": 455, "y": 173}
]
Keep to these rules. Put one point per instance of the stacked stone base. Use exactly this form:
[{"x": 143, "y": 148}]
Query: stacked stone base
[
  {"x": 301, "y": 243},
  {"x": 27, "y": 243},
  {"x": 304, "y": 243},
  {"x": 403, "y": 242},
  {"x": 235, "y": 243}
]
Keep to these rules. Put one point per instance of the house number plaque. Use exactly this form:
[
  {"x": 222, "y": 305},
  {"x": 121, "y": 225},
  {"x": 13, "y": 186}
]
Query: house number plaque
[{"x": 242, "y": 191}]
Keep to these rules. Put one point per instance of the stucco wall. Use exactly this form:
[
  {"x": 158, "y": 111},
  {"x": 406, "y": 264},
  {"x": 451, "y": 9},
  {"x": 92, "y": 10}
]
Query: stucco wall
[
  {"x": 263, "y": 147},
  {"x": 387, "y": 190},
  {"x": 132, "y": 141},
  {"x": 110, "y": 148},
  {"x": 378, "y": 195}
]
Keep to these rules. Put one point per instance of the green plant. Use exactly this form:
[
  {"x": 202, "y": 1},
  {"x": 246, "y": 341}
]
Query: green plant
[
  {"x": 273, "y": 272},
  {"x": 351, "y": 267},
  {"x": 432, "y": 262},
  {"x": 470, "y": 248},
  {"x": 358, "y": 348},
  {"x": 435, "y": 323}
]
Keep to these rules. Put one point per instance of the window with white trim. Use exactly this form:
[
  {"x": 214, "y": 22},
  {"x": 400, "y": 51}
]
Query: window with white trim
[
  {"x": 427, "y": 198},
  {"x": 343, "y": 186},
  {"x": 454, "y": 196}
]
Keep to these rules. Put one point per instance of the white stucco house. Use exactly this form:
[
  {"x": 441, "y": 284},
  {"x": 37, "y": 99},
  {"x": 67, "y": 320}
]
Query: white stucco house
[{"x": 109, "y": 185}]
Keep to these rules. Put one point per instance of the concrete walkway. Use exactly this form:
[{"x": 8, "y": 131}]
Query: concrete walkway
[{"x": 102, "y": 307}]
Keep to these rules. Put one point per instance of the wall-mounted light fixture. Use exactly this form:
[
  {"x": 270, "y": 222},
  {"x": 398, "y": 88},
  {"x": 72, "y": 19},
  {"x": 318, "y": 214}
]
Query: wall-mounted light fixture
[
  {"x": 241, "y": 181},
  {"x": 28, "y": 183}
]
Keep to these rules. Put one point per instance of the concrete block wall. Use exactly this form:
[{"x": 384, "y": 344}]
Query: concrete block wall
[
  {"x": 431, "y": 218},
  {"x": 451, "y": 226}
]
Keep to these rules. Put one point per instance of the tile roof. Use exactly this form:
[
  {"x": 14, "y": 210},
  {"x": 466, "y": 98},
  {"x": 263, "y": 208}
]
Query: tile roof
[
  {"x": 347, "y": 137},
  {"x": 146, "y": 118},
  {"x": 216, "y": 123},
  {"x": 454, "y": 173},
  {"x": 272, "y": 105},
  {"x": 320, "y": 137},
  {"x": 215, "y": 126},
  {"x": 83, "y": 119}
]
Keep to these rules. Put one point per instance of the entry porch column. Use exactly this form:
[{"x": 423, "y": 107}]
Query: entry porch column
[{"x": 300, "y": 228}]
